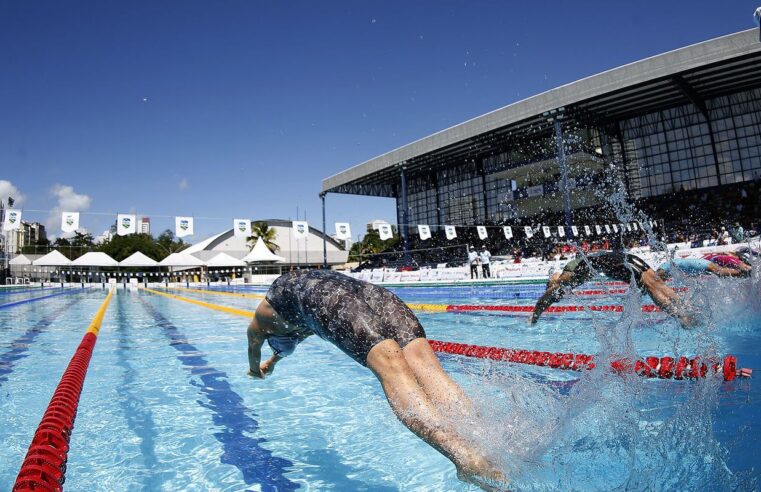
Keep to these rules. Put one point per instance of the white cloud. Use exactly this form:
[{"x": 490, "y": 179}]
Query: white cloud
[
  {"x": 68, "y": 201},
  {"x": 183, "y": 183},
  {"x": 8, "y": 190}
]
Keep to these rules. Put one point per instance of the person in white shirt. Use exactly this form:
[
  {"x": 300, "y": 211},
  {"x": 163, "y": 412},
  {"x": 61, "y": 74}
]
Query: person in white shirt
[
  {"x": 484, "y": 257},
  {"x": 473, "y": 260},
  {"x": 724, "y": 237}
]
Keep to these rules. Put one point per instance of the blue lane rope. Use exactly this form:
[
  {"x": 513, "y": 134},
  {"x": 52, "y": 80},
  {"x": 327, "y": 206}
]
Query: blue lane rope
[{"x": 33, "y": 299}]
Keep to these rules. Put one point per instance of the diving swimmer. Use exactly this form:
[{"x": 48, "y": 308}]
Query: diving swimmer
[
  {"x": 616, "y": 265},
  {"x": 376, "y": 329}
]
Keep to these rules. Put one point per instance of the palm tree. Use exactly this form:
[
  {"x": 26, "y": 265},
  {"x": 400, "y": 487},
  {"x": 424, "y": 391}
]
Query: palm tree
[{"x": 263, "y": 230}]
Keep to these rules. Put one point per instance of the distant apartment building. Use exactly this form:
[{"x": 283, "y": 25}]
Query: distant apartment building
[
  {"x": 29, "y": 234},
  {"x": 145, "y": 225}
]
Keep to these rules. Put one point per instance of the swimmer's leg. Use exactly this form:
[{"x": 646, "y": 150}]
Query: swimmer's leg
[
  {"x": 723, "y": 271},
  {"x": 435, "y": 382},
  {"x": 415, "y": 410}
]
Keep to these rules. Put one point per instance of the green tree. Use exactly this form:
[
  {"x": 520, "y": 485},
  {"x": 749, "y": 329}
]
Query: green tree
[
  {"x": 82, "y": 240},
  {"x": 41, "y": 247},
  {"x": 120, "y": 247},
  {"x": 169, "y": 243},
  {"x": 261, "y": 229},
  {"x": 370, "y": 244}
]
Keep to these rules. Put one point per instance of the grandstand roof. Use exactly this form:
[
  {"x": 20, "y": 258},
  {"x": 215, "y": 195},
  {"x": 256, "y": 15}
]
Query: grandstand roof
[{"x": 694, "y": 73}]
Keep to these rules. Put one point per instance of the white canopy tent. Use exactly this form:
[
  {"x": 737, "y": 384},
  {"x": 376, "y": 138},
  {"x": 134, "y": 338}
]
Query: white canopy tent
[
  {"x": 223, "y": 260},
  {"x": 54, "y": 259},
  {"x": 20, "y": 260},
  {"x": 138, "y": 259},
  {"x": 95, "y": 259},
  {"x": 261, "y": 253},
  {"x": 181, "y": 260}
]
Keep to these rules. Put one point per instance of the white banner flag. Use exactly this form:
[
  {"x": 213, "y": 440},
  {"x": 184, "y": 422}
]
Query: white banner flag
[
  {"x": 242, "y": 227},
  {"x": 69, "y": 221},
  {"x": 508, "y": 232},
  {"x": 546, "y": 231},
  {"x": 424, "y": 231},
  {"x": 451, "y": 232},
  {"x": 183, "y": 226},
  {"x": 607, "y": 228},
  {"x": 301, "y": 229},
  {"x": 384, "y": 231},
  {"x": 343, "y": 231},
  {"x": 587, "y": 230},
  {"x": 561, "y": 231},
  {"x": 529, "y": 232},
  {"x": 615, "y": 228},
  {"x": 654, "y": 223},
  {"x": 12, "y": 219},
  {"x": 629, "y": 227},
  {"x": 126, "y": 224},
  {"x": 575, "y": 231},
  {"x": 598, "y": 230},
  {"x": 482, "y": 232},
  {"x": 634, "y": 226}
]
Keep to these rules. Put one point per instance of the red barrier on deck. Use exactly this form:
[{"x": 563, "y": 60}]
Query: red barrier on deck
[
  {"x": 652, "y": 367},
  {"x": 44, "y": 466}
]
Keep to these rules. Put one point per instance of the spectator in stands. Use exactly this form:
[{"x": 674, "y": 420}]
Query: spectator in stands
[
  {"x": 516, "y": 255},
  {"x": 484, "y": 257},
  {"x": 473, "y": 260},
  {"x": 738, "y": 233},
  {"x": 723, "y": 237}
]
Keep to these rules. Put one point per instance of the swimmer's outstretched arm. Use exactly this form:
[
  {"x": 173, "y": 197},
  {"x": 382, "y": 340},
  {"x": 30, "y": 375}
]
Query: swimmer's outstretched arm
[
  {"x": 256, "y": 339},
  {"x": 552, "y": 295}
]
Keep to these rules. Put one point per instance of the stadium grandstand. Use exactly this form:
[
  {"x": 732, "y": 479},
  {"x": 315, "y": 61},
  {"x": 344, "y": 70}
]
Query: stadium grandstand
[{"x": 676, "y": 136}]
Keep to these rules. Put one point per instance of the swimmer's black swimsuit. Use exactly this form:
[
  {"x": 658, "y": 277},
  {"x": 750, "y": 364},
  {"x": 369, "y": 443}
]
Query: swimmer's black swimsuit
[
  {"x": 615, "y": 265},
  {"x": 352, "y": 314}
]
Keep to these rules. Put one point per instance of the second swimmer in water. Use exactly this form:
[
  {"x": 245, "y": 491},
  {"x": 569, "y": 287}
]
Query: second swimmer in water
[
  {"x": 376, "y": 329},
  {"x": 701, "y": 266},
  {"x": 616, "y": 265}
]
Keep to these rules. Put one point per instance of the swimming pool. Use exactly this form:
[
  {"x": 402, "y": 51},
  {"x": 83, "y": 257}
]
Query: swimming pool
[{"x": 167, "y": 404}]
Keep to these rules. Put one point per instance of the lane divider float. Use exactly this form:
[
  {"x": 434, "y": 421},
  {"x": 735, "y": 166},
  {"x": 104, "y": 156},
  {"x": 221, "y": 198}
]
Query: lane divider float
[
  {"x": 513, "y": 308},
  {"x": 653, "y": 367},
  {"x": 33, "y": 299},
  {"x": 455, "y": 308},
  {"x": 208, "y": 305},
  {"x": 44, "y": 467},
  {"x": 219, "y": 292}
]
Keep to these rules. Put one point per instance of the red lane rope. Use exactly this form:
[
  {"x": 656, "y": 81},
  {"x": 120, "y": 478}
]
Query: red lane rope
[
  {"x": 651, "y": 367},
  {"x": 600, "y": 292},
  {"x": 44, "y": 467},
  {"x": 647, "y": 308}
]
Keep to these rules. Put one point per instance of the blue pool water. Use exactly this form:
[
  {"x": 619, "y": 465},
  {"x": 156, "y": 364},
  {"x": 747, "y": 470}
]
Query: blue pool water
[{"x": 167, "y": 404}]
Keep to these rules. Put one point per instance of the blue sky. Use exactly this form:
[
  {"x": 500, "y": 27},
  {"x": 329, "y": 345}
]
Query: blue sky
[{"x": 240, "y": 108}]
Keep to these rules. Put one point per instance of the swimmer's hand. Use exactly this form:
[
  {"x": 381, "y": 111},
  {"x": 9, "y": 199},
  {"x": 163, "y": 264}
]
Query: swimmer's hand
[{"x": 267, "y": 367}]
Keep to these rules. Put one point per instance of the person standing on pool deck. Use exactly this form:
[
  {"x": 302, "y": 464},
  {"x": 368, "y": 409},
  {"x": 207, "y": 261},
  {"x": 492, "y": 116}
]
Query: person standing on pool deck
[
  {"x": 473, "y": 260},
  {"x": 484, "y": 256},
  {"x": 616, "y": 265},
  {"x": 375, "y": 328}
]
